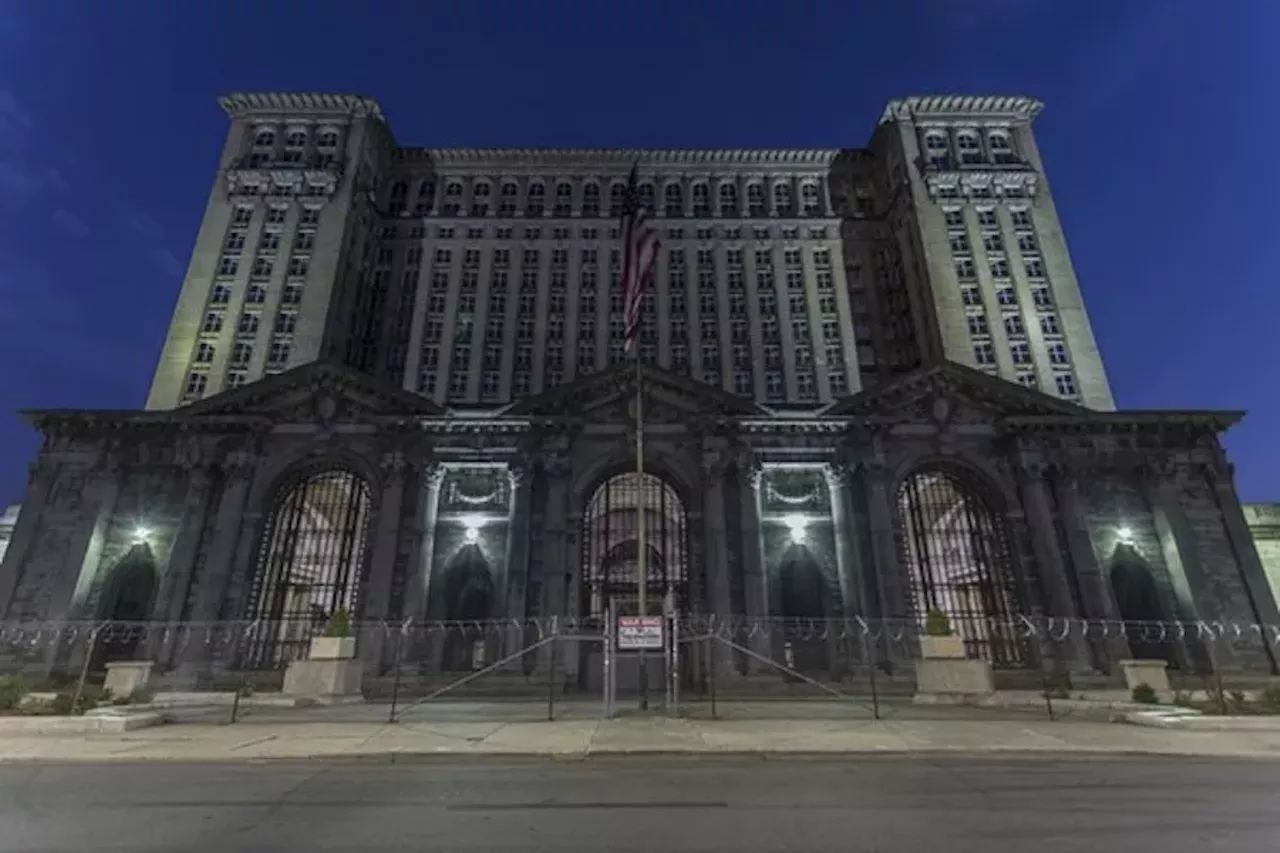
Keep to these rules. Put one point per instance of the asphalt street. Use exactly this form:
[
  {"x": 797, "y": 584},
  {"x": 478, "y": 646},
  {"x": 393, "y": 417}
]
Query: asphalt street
[{"x": 654, "y": 805}]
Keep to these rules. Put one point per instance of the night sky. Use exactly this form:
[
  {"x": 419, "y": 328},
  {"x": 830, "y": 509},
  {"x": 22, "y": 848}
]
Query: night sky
[{"x": 1157, "y": 136}]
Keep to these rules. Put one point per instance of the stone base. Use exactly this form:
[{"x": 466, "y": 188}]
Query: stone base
[
  {"x": 1153, "y": 673},
  {"x": 323, "y": 679},
  {"x": 126, "y": 677},
  {"x": 953, "y": 681}
]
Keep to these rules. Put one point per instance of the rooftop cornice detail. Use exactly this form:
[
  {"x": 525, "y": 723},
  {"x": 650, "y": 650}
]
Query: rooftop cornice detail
[
  {"x": 238, "y": 104},
  {"x": 1017, "y": 107},
  {"x": 818, "y": 158}
]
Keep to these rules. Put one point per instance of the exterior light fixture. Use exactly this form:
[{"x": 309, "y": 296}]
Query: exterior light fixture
[
  {"x": 471, "y": 528},
  {"x": 796, "y": 525},
  {"x": 141, "y": 535},
  {"x": 1125, "y": 534}
]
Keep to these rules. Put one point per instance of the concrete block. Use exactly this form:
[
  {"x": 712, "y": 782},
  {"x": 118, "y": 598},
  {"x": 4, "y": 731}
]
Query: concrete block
[
  {"x": 1153, "y": 673},
  {"x": 323, "y": 678},
  {"x": 332, "y": 648},
  {"x": 942, "y": 648},
  {"x": 952, "y": 681},
  {"x": 126, "y": 676}
]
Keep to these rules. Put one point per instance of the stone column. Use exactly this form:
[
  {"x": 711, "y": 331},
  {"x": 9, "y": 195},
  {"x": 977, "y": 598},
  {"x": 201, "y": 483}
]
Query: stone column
[
  {"x": 376, "y": 587},
  {"x": 422, "y": 557},
  {"x": 847, "y": 563},
  {"x": 555, "y": 568},
  {"x": 884, "y": 546},
  {"x": 1095, "y": 592},
  {"x": 1051, "y": 568},
  {"x": 713, "y": 532},
  {"x": 40, "y": 480},
  {"x": 182, "y": 554},
  {"x": 516, "y": 575},
  {"x": 74, "y": 596},
  {"x": 755, "y": 580}
]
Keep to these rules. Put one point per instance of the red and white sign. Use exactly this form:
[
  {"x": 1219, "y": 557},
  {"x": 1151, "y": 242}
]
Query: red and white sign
[{"x": 639, "y": 632}]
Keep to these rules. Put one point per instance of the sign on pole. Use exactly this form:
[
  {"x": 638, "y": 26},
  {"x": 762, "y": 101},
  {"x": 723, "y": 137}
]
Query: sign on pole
[{"x": 639, "y": 632}]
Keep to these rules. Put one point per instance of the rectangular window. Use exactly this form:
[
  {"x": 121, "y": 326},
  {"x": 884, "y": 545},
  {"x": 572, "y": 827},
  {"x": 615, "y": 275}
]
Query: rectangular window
[
  {"x": 984, "y": 353},
  {"x": 1066, "y": 384}
]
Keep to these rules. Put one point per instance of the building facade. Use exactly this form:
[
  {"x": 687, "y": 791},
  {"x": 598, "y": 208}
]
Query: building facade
[{"x": 394, "y": 384}]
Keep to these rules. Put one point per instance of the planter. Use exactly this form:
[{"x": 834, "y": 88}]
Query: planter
[
  {"x": 332, "y": 648},
  {"x": 125, "y": 677},
  {"x": 953, "y": 681},
  {"x": 1152, "y": 673},
  {"x": 942, "y": 648},
  {"x": 323, "y": 680}
]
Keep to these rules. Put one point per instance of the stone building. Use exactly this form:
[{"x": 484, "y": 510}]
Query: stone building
[{"x": 873, "y": 392}]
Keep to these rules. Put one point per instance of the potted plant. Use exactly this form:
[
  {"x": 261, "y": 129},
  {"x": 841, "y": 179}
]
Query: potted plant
[
  {"x": 939, "y": 641},
  {"x": 336, "y": 643}
]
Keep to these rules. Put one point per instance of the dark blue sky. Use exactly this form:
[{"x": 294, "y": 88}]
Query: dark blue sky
[{"x": 1156, "y": 136}]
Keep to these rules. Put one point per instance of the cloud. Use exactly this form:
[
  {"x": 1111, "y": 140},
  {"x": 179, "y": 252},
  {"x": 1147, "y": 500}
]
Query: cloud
[
  {"x": 142, "y": 225},
  {"x": 69, "y": 222},
  {"x": 166, "y": 262},
  {"x": 54, "y": 177}
]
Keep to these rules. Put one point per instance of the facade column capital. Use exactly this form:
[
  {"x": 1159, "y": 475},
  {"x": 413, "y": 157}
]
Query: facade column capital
[{"x": 394, "y": 464}]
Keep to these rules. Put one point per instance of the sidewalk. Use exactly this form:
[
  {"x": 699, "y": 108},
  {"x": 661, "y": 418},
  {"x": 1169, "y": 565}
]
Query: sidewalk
[{"x": 577, "y": 739}]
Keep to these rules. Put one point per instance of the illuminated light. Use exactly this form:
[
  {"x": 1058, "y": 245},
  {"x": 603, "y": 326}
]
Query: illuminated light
[
  {"x": 141, "y": 535},
  {"x": 1125, "y": 534},
  {"x": 796, "y": 524},
  {"x": 471, "y": 528}
]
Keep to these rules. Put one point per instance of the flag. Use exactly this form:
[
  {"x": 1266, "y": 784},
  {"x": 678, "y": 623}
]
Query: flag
[{"x": 639, "y": 254}]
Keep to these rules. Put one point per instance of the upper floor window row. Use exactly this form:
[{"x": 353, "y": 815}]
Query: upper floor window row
[
  {"x": 724, "y": 198},
  {"x": 947, "y": 147}
]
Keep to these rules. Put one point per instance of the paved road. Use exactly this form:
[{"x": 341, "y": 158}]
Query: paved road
[{"x": 651, "y": 805}]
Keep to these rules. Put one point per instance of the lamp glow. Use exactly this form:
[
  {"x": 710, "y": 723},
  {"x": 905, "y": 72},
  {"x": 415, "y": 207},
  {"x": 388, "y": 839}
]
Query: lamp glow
[
  {"x": 796, "y": 525},
  {"x": 141, "y": 535},
  {"x": 1125, "y": 534},
  {"x": 471, "y": 528}
]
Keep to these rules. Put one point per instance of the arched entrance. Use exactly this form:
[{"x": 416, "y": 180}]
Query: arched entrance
[
  {"x": 953, "y": 545},
  {"x": 125, "y": 604},
  {"x": 311, "y": 562},
  {"x": 611, "y": 546},
  {"x": 803, "y": 598},
  {"x": 1138, "y": 603},
  {"x": 468, "y": 591}
]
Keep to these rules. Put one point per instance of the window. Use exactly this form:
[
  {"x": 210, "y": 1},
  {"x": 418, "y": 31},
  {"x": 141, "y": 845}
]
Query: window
[
  {"x": 987, "y": 218},
  {"x": 247, "y": 324},
  {"x": 235, "y": 242},
  {"x": 959, "y": 242},
  {"x": 617, "y": 197},
  {"x": 809, "y": 199},
  {"x": 1034, "y": 268},
  {"x": 298, "y": 267},
  {"x": 220, "y": 294},
  {"x": 773, "y": 386},
  {"x": 1049, "y": 324},
  {"x": 701, "y": 199},
  {"x": 286, "y": 321},
  {"x": 728, "y": 200},
  {"x": 304, "y": 241},
  {"x": 1020, "y": 351},
  {"x": 1027, "y": 243},
  {"x": 196, "y": 383},
  {"x": 993, "y": 242},
  {"x": 564, "y": 199},
  {"x": 534, "y": 205},
  {"x": 978, "y": 324},
  {"x": 590, "y": 199},
  {"x": 204, "y": 353},
  {"x": 756, "y": 201},
  {"x": 1066, "y": 384},
  {"x": 1021, "y": 217},
  {"x": 969, "y": 147},
  {"x": 243, "y": 214},
  {"x": 241, "y": 353},
  {"x": 1006, "y": 296},
  {"x": 278, "y": 353},
  {"x": 971, "y": 296},
  {"x": 1000, "y": 269},
  {"x": 953, "y": 217},
  {"x": 964, "y": 268},
  {"x": 782, "y": 200},
  {"x": 255, "y": 294},
  {"x": 984, "y": 353},
  {"x": 291, "y": 295},
  {"x": 673, "y": 200},
  {"x": 1058, "y": 353},
  {"x": 1013, "y": 325},
  {"x": 1041, "y": 297}
]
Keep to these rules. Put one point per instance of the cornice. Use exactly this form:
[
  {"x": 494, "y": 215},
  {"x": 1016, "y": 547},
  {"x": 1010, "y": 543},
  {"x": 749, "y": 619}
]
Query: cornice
[
  {"x": 1090, "y": 421},
  {"x": 238, "y": 104},
  {"x": 1016, "y": 107}
]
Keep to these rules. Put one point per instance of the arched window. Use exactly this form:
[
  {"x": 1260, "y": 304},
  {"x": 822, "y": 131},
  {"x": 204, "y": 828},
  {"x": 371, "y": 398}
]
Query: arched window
[
  {"x": 535, "y": 201},
  {"x": 611, "y": 547},
  {"x": 564, "y": 198},
  {"x": 591, "y": 199},
  {"x": 954, "y": 549},
  {"x": 645, "y": 191},
  {"x": 728, "y": 200},
  {"x": 755, "y": 200},
  {"x": 617, "y": 196},
  {"x": 673, "y": 200},
  {"x": 311, "y": 562},
  {"x": 782, "y": 201},
  {"x": 701, "y": 199}
]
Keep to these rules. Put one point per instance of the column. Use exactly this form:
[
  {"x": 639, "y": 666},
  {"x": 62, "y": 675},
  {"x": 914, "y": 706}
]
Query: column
[
  {"x": 40, "y": 480},
  {"x": 1052, "y": 570},
  {"x": 713, "y": 533},
  {"x": 75, "y": 588},
  {"x": 372, "y": 637},
  {"x": 555, "y": 570},
  {"x": 186, "y": 541},
  {"x": 220, "y": 564},
  {"x": 516, "y": 574},
  {"x": 754, "y": 581},
  {"x": 884, "y": 546},
  {"x": 422, "y": 557},
  {"x": 843, "y": 536}
]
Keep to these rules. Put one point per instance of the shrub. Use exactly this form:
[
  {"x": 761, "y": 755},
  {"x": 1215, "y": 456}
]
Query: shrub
[
  {"x": 936, "y": 624},
  {"x": 339, "y": 624},
  {"x": 1144, "y": 693},
  {"x": 12, "y": 690}
]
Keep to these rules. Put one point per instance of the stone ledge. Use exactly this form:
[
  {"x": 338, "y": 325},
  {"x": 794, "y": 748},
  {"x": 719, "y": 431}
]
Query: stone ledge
[{"x": 101, "y": 721}]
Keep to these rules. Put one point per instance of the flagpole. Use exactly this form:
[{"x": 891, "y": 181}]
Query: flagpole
[{"x": 642, "y": 569}]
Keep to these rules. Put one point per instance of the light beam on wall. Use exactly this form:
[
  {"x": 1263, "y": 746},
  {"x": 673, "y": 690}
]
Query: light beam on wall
[
  {"x": 1125, "y": 535},
  {"x": 471, "y": 525},
  {"x": 141, "y": 535}
]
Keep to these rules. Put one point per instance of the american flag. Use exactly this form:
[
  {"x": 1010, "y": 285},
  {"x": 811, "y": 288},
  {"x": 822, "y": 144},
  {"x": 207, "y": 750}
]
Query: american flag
[{"x": 639, "y": 252}]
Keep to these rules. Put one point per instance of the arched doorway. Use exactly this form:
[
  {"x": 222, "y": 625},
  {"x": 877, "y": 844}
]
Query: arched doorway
[
  {"x": 468, "y": 591},
  {"x": 1138, "y": 603},
  {"x": 311, "y": 562},
  {"x": 611, "y": 546},
  {"x": 125, "y": 604},
  {"x": 954, "y": 548},
  {"x": 803, "y": 597}
]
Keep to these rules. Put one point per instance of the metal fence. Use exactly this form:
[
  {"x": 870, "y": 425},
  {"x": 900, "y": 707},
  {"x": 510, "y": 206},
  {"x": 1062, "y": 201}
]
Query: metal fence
[{"x": 555, "y": 667}]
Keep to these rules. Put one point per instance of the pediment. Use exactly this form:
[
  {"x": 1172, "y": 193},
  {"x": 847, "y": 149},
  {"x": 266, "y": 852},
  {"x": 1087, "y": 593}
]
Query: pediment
[
  {"x": 609, "y": 397},
  {"x": 953, "y": 394},
  {"x": 318, "y": 392}
]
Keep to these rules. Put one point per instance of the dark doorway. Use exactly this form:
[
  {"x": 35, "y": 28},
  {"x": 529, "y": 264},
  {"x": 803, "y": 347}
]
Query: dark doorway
[
  {"x": 125, "y": 604},
  {"x": 468, "y": 594},
  {"x": 802, "y": 597},
  {"x": 1138, "y": 602}
]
